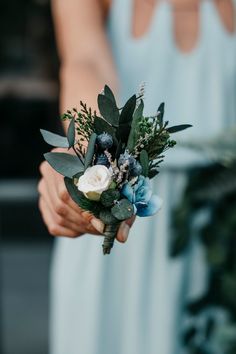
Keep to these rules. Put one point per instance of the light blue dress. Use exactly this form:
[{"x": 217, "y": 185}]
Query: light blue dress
[{"x": 131, "y": 302}]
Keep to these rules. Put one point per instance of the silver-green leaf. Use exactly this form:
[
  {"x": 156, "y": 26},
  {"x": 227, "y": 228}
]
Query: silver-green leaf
[
  {"x": 90, "y": 151},
  {"x": 54, "y": 139},
  {"x": 178, "y": 128},
  {"x": 144, "y": 161},
  {"x": 108, "y": 110},
  {"x": 123, "y": 210},
  {"x": 65, "y": 164},
  {"x": 128, "y": 110},
  {"x": 133, "y": 135},
  {"x": 71, "y": 133},
  {"x": 108, "y": 92}
]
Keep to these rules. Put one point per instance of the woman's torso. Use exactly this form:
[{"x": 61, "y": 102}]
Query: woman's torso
[{"x": 198, "y": 87}]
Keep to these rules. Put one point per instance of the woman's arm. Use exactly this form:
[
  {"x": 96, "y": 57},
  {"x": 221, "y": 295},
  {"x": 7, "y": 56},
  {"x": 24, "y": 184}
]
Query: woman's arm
[
  {"x": 86, "y": 59},
  {"x": 86, "y": 65}
]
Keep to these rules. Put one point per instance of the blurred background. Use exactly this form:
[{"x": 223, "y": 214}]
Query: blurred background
[{"x": 28, "y": 101}]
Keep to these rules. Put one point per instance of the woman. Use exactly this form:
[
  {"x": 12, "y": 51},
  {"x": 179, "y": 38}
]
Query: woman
[{"x": 131, "y": 302}]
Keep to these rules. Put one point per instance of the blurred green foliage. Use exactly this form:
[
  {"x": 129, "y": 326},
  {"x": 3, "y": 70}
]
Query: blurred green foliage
[{"x": 210, "y": 197}]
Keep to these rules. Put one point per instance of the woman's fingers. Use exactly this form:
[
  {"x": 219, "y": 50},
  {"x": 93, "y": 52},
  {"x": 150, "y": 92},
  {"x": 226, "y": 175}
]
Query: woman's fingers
[
  {"x": 63, "y": 216},
  {"x": 61, "y": 208},
  {"x": 124, "y": 229},
  {"x": 52, "y": 224},
  {"x": 59, "y": 204}
]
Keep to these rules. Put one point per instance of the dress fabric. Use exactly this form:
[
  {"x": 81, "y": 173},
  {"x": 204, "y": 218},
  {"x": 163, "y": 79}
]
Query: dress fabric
[{"x": 132, "y": 301}]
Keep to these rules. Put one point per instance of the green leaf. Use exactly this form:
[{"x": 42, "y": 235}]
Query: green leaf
[
  {"x": 144, "y": 161},
  {"x": 108, "y": 92},
  {"x": 78, "y": 197},
  {"x": 123, "y": 132},
  {"x": 101, "y": 126},
  {"x": 133, "y": 135},
  {"x": 108, "y": 110},
  {"x": 109, "y": 197},
  {"x": 152, "y": 173},
  {"x": 90, "y": 151},
  {"x": 178, "y": 128},
  {"x": 118, "y": 149},
  {"x": 123, "y": 210},
  {"x": 65, "y": 164},
  {"x": 54, "y": 139},
  {"x": 161, "y": 110},
  {"x": 179, "y": 244},
  {"x": 126, "y": 115},
  {"x": 107, "y": 218},
  {"x": 71, "y": 133}
]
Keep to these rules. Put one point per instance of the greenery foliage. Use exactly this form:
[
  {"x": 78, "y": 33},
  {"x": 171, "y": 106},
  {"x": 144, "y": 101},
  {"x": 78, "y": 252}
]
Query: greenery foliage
[
  {"x": 126, "y": 143},
  {"x": 211, "y": 192}
]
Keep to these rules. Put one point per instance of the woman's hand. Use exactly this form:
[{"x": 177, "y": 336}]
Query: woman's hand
[{"x": 62, "y": 216}]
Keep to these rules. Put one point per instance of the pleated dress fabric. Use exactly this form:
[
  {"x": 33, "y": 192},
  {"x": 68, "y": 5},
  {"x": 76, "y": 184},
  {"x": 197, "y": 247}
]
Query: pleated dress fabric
[{"x": 132, "y": 301}]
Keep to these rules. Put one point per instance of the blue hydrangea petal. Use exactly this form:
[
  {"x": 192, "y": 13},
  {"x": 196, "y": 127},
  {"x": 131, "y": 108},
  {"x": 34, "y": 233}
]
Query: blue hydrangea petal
[
  {"x": 153, "y": 206},
  {"x": 128, "y": 192},
  {"x": 143, "y": 194},
  {"x": 140, "y": 205},
  {"x": 147, "y": 183}
]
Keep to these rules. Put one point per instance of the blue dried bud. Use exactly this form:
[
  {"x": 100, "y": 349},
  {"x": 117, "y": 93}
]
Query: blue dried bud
[
  {"x": 104, "y": 141},
  {"x": 102, "y": 160},
  {"x": 136, "y": 170},
  {"x": 127, "y": 158}
]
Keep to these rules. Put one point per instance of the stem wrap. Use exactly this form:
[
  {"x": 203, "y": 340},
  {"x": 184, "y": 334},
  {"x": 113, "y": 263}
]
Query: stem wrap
[{"x": 110, "y": 232}]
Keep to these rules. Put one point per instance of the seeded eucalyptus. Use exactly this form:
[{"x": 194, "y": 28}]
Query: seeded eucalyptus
[{"x": 114, "y": 155}]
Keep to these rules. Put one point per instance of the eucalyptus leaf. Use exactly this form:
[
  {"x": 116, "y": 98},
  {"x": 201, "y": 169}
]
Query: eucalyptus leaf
[
  {"x": 108, "y": 92},
  {"x": 108, "y": 110},
  {"x": 65, "y": 164},
  {"x": 133, "y": 135},
  {"x": 178, "y": 128},
  {"x": 101, "y": 126},
  {"x": 71, "y": 133},
  {"x": 128, "y": 110},
  {"x": 109, "y": 197},
  {"x": 123, "y": 210},
  {"x": 123, "y": 132},
  {"x": 107, "y": 217},
  {"x": 78, "y": 197},
  {"x": 118, "y": 149},
  {"x": 54, "y": 139},
  {"x": 161, "y": 110},
  {"x": 90, "y": 151},
  {"x": 144, "y": 161},
  {"x": 152, "y": 173}
]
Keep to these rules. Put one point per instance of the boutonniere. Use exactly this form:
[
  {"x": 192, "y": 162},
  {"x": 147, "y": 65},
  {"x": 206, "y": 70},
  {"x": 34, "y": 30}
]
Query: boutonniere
[{"x": 116, "y": 153}]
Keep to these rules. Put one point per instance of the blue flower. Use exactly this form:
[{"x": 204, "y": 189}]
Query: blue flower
[{"x": 140, "y": 195}]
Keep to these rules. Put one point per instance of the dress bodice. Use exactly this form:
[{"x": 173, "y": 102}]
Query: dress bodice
[{"x": 198, "y": 87}]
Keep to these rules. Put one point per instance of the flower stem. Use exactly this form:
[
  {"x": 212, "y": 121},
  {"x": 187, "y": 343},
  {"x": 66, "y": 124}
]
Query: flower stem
[{"x": 110, "y": 232}]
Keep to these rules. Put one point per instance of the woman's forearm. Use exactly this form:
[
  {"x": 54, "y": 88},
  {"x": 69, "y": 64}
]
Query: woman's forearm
[{"x": 84, "y": 51}]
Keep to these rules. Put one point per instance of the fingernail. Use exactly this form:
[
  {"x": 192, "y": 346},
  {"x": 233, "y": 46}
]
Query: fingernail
[
  {"x": 124, "y": 230},
  {"x": 97, "y": 224}
]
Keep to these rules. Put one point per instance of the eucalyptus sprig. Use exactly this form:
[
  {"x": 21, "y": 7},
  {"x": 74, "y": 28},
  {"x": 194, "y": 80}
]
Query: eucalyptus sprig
[{"x": 116, "y": 152}]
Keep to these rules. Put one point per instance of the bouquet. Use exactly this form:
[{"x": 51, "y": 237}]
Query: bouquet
[{"x": 115, "y": 154}]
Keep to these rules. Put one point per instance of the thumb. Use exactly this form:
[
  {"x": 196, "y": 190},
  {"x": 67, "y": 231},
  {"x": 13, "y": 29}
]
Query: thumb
[
  {"x": 97, "y": 224},
  {"x": 124, "y": 229}
]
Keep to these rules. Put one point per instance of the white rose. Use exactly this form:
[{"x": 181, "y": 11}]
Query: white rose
[{"x": 94, "y": 181}]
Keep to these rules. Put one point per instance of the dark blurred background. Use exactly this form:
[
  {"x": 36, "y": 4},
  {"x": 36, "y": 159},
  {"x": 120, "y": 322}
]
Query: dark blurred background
[{"x": 28, "y": 101}]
